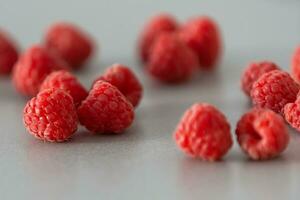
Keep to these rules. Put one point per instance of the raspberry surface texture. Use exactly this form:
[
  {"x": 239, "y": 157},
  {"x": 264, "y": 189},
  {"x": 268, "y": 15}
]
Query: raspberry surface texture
[
  {"x": 292, "y": 114},
  {"x": 70, "y": 42},
  {"x": 296, "y": 64},
  {"x": 51, "y": 116},
  {"x": 203, "y": 36},
  {"x": 32, "y": 68},
  {"x": 126, "y": 81},
  {"x": 153, "y": 28},
  {"x": 8, "y": 53},
  {"x": 66, "y": 81},
  {"x": 253, "y": 71},
  {"x": 171, "y": 60},
  {"x": 273, "y": 90},
  {"x": 262, "y": 134},
  {"x": 105, "y": 110},
  {"x": 203, "y": 132}
]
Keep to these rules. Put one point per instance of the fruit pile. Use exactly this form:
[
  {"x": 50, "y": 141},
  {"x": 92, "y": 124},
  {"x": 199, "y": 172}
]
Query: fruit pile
[{"x": 171, "y": 53}]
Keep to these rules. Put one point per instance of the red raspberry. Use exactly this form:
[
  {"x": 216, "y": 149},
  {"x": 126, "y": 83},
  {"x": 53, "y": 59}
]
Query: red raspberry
[
  {"x": 204, "y": 132},
  {"x": 156, "y": 25},
  {"x": 292, "y": 114},
  {"x": 296, "y": 65},
  {"x": 70, "y": 42},
  {"x": 8, "y": 53},
  {"x": 125, "y": 80},
  {"x": 33, "y": 67},
  {"x": 253, "y": 71},
  {"x": 65, "y": 80},
  {"x": 105, "y": 110},
  {"x": 51, "y": 116},
  {"x": 262, "y": 134},
  {"x": 273, "y": 90},
  {"x": 171, "y": 60},
  {"x": 203, "y": 36}
]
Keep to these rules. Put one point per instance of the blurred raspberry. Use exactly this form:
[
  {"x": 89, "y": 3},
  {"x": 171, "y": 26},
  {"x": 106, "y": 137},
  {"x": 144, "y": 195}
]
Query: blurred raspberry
[
  {"x": 153, "y": 28},
  {"x": 262, "y": 134},
  {"x": 203, "y": 36},
  {"x": 171, "y": 60},
  {"x": 253, "y": 71},
  {"x": 32, "y": 68},
  {"x": 70, "y": 42},
  {"x": 273, "y": 90},
  {"x": 51, "y": 116},
  {"x": 65, "y": 80},
  {"x": 105, "y": 110},
  {"x": 125, "y": 80},
  {"x": 296, "y": 65},
  {"x": 204, "y": 132},
  {"x": 8, "y": 53}
]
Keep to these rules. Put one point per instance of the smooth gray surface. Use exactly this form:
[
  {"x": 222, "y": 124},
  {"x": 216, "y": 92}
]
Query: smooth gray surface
[{"x": 144, "y": 162}]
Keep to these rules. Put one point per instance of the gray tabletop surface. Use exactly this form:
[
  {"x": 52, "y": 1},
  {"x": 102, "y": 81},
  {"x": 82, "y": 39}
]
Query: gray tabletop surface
[{"x": 144, "y": 163}]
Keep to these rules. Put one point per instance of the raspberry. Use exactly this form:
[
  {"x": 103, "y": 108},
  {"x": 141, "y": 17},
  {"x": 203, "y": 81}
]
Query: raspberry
[
  {"x": 70, "y": 42},
  {"x": 105, "y": 110},
  {"x": 262, "y": 134},
  {"x": 156, "y": 25},
  {"x": 171, "y": 60},
  {"x": 202, "y": 35},
  {"x": 292, "y": 114},
  {"x": 296, "y": 65},
  {"x": 8, "y": 53},
  {"x": 65, "y": 80},
  {"x": 51, "y": 116},
  {"x": 204, "y": 132},
  {"x": 253, "y": 71},
  {"x": 32, "y": 68},
  {"x": 273, "y": 90},
  {"x": 125, "y": 80}
]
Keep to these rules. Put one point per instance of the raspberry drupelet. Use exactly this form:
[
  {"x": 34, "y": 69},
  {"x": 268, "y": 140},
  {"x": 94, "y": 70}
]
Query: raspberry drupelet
[
  {"x": 8, "y": 53},
  {"x": 262, "y": 134},
  {"x": 203, "y": 132}
]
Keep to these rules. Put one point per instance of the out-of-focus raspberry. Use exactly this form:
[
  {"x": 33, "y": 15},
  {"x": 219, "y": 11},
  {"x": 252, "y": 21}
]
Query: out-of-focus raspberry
[
  {"x": 171, "y": 60},
  {"x": 262, "y": 134},
  {"x": 296, "y": 65},
  {"x": 273, "y": 90},
  {"x": 51, "y": 116},
  {"x": 125, "y": 80},
  {"x": 253, "y": 71},
  {"x": 70, "y": 42},
  {"x": 8, "y": 53},
  {"x": 65, "y": 80},
  {"x": 153, "y": 28},
  {"x": 204, "y": 132},
  {"x": 203, "y": 36},
  {"x": 105, "y": 110},
  {"x": 32, "y": 68},
  {"x": 292, "y": 114}
]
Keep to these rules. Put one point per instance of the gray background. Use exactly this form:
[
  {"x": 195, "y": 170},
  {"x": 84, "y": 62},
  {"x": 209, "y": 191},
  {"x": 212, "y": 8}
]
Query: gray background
[{"x": 144, "y": 162}]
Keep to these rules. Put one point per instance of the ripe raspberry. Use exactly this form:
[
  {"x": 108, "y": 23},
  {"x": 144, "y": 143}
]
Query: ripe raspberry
[
  {"x": 204, "y": 132},
  {"x": 156, "y": 25},
  {"x": 51, "y": 116},
  {"x": 105, "y": 110},
  {"x": 8, "y": 53},
  {"x": 125, "y": 80},
  {"x": 262, "y": 134},
  {"x": 296, "y": 65},
  {"x": 171, "y": 60},
  {"x": 65, "y": 80},
  {"x": 273, "y": 90},
  {"x": 292, "y": 114},
  {"x": 70, "y": 42},
  {"x": 203, "y": 36},
  {"x": 32, "y": 68},
  {"x": 253, "y": 71}
]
